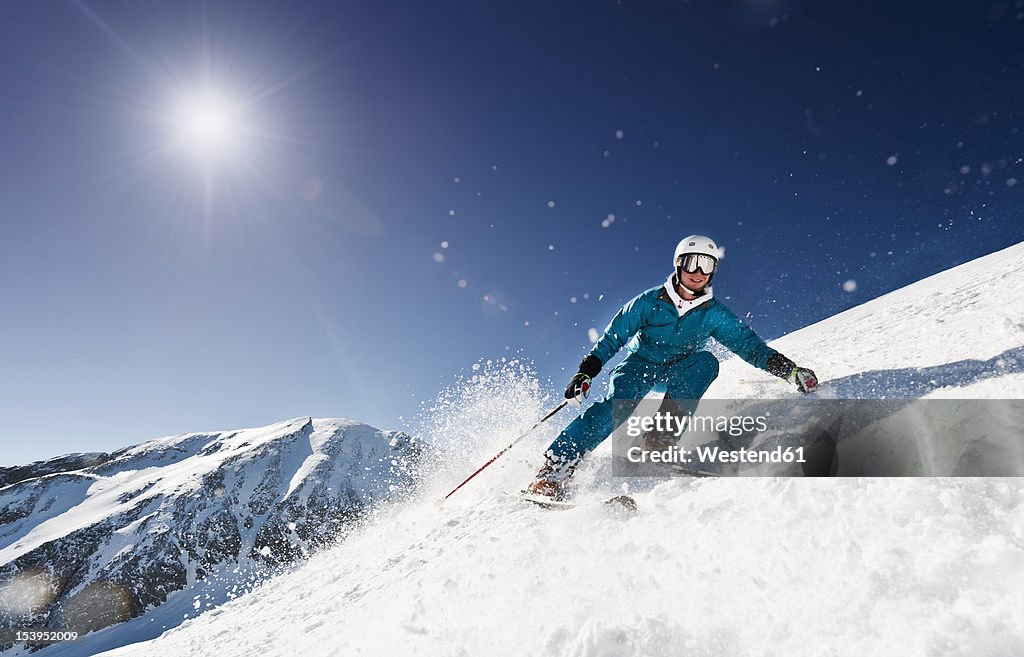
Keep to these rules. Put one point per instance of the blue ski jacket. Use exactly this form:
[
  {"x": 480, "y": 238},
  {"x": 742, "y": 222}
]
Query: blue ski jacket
[{"x": 660, "y": 327}]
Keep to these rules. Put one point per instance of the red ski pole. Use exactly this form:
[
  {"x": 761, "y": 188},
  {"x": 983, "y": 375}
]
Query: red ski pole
[{"x": 510, "y": 446}]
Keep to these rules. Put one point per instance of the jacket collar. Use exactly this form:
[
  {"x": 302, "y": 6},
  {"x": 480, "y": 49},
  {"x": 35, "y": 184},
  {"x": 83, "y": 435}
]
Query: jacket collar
[{"x": 681, "y": 305}]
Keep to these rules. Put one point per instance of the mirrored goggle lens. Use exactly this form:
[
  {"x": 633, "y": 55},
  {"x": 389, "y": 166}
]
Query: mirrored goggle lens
[{"x": 691, "y": 262}]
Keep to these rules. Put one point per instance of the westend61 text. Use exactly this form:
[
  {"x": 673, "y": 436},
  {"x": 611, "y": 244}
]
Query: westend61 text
[{"x": 716, "y": 455}]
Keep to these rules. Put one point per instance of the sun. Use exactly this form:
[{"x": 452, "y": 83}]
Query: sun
[{"x": 208, "y": 125}]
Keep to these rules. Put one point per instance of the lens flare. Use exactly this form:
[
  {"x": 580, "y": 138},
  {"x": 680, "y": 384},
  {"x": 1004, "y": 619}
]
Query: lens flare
[{"x": 29, "y": 592}]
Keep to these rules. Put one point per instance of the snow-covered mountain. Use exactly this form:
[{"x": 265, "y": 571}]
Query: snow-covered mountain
[
  {"x": 712, "y": 567},
  {"x": 93, "y": 539}
]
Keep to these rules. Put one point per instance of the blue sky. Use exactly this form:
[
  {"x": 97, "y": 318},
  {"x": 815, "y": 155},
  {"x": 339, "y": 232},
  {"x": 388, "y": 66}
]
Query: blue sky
[{"x": 152, "y": 288}]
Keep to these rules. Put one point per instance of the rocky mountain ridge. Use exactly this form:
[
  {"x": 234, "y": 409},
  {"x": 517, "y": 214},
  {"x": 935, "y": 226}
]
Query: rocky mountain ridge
[{"x": 88, "y": 540}]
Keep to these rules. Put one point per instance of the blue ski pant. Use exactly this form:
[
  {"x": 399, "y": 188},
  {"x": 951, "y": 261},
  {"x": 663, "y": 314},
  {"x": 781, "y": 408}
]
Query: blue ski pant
[{"x": 631, "y": 380}]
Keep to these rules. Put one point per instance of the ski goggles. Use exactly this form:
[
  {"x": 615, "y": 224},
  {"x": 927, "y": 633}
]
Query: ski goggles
[{"x": 691, "y": 262}]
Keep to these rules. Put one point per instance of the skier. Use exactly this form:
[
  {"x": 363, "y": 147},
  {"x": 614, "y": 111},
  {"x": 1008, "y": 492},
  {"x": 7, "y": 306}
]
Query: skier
[{"x": 667, "y": 328}]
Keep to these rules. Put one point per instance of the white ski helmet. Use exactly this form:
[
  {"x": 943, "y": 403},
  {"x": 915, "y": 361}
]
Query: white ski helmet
[{"x": 700, "y": 245}]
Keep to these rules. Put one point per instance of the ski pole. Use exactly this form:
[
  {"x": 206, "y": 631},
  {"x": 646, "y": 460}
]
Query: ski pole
[{"x": 510, "y": 445}]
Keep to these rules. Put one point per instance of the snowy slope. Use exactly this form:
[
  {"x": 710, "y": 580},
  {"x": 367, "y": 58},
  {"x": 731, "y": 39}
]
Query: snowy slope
[
  {"x": 709, "y": 567},
  {"x": 724, "y": 567},
  {"x": 91, "y": 540},
  {"x": 959, "y": 333}
]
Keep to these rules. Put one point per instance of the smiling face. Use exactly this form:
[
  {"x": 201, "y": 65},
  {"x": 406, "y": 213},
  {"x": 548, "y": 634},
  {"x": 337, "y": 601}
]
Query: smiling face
[
  {"x": 696, "y": 280},
  {"x": 693, "y": 281}
]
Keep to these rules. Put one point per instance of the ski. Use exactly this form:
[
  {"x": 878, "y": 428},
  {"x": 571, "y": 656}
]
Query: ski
[
  {"x": 541, "y": 500},
  {"x": 618, "y": 501}
]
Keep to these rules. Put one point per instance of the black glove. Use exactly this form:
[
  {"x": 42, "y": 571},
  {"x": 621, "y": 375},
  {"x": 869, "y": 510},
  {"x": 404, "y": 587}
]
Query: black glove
[
  {"x": 784, "y": 368},
  {"x": 805, "y": 379},
  {"x": 579, "y": 386}
]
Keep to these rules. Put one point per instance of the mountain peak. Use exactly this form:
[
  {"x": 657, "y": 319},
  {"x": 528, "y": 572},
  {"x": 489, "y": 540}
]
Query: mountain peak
[{"x": 158, "y": 517}]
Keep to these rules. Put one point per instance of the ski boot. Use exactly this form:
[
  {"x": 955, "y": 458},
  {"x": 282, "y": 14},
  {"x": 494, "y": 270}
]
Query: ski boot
[{"x": 551, "y": 479}]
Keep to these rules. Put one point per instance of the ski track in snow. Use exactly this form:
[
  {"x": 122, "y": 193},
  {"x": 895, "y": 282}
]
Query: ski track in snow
[{"x": 710, "y": 567}]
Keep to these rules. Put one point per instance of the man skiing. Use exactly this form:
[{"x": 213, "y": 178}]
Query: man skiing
[{"x": 666, "y": 328}]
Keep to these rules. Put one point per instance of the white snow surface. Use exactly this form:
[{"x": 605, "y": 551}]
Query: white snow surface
[
  {"x": 714, "y": 567},
  {"x": 710, "y": 567}
]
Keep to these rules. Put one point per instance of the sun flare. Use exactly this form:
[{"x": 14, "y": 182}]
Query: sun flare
[{"x": 208, "y": 125}]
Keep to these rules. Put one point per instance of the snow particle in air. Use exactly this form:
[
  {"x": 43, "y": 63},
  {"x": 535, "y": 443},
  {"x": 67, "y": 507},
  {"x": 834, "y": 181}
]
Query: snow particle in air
[
  {"x": 892, "y": 160},
  {"x": 860, "y": 93},
  {"x": 494, "y": 167},
  {"x": 462, "y": 283},
  {"x": 964, "y": 170},
  {"x": 572, "y": 299},
  {"x": 639, "y": 203},
  {"x": 439, "y": 257},
  {"x": 444, "y": 244},
  {"x": 715, "y": 66},
  {"x": 451, "y": 213},
  {"x": 593, "y": 335},
  {"x": 619, "y": 134},
  {"x": 607, "y": 153},
  {"x": 1010, "y": 182},
  {"x": 476, "y": 366},
  {"x": 457, "y": 179},
  {"x": 608, "y": 221},
  {"x": 551, "y": 204},
  {"x": 551, "y": 247}
]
